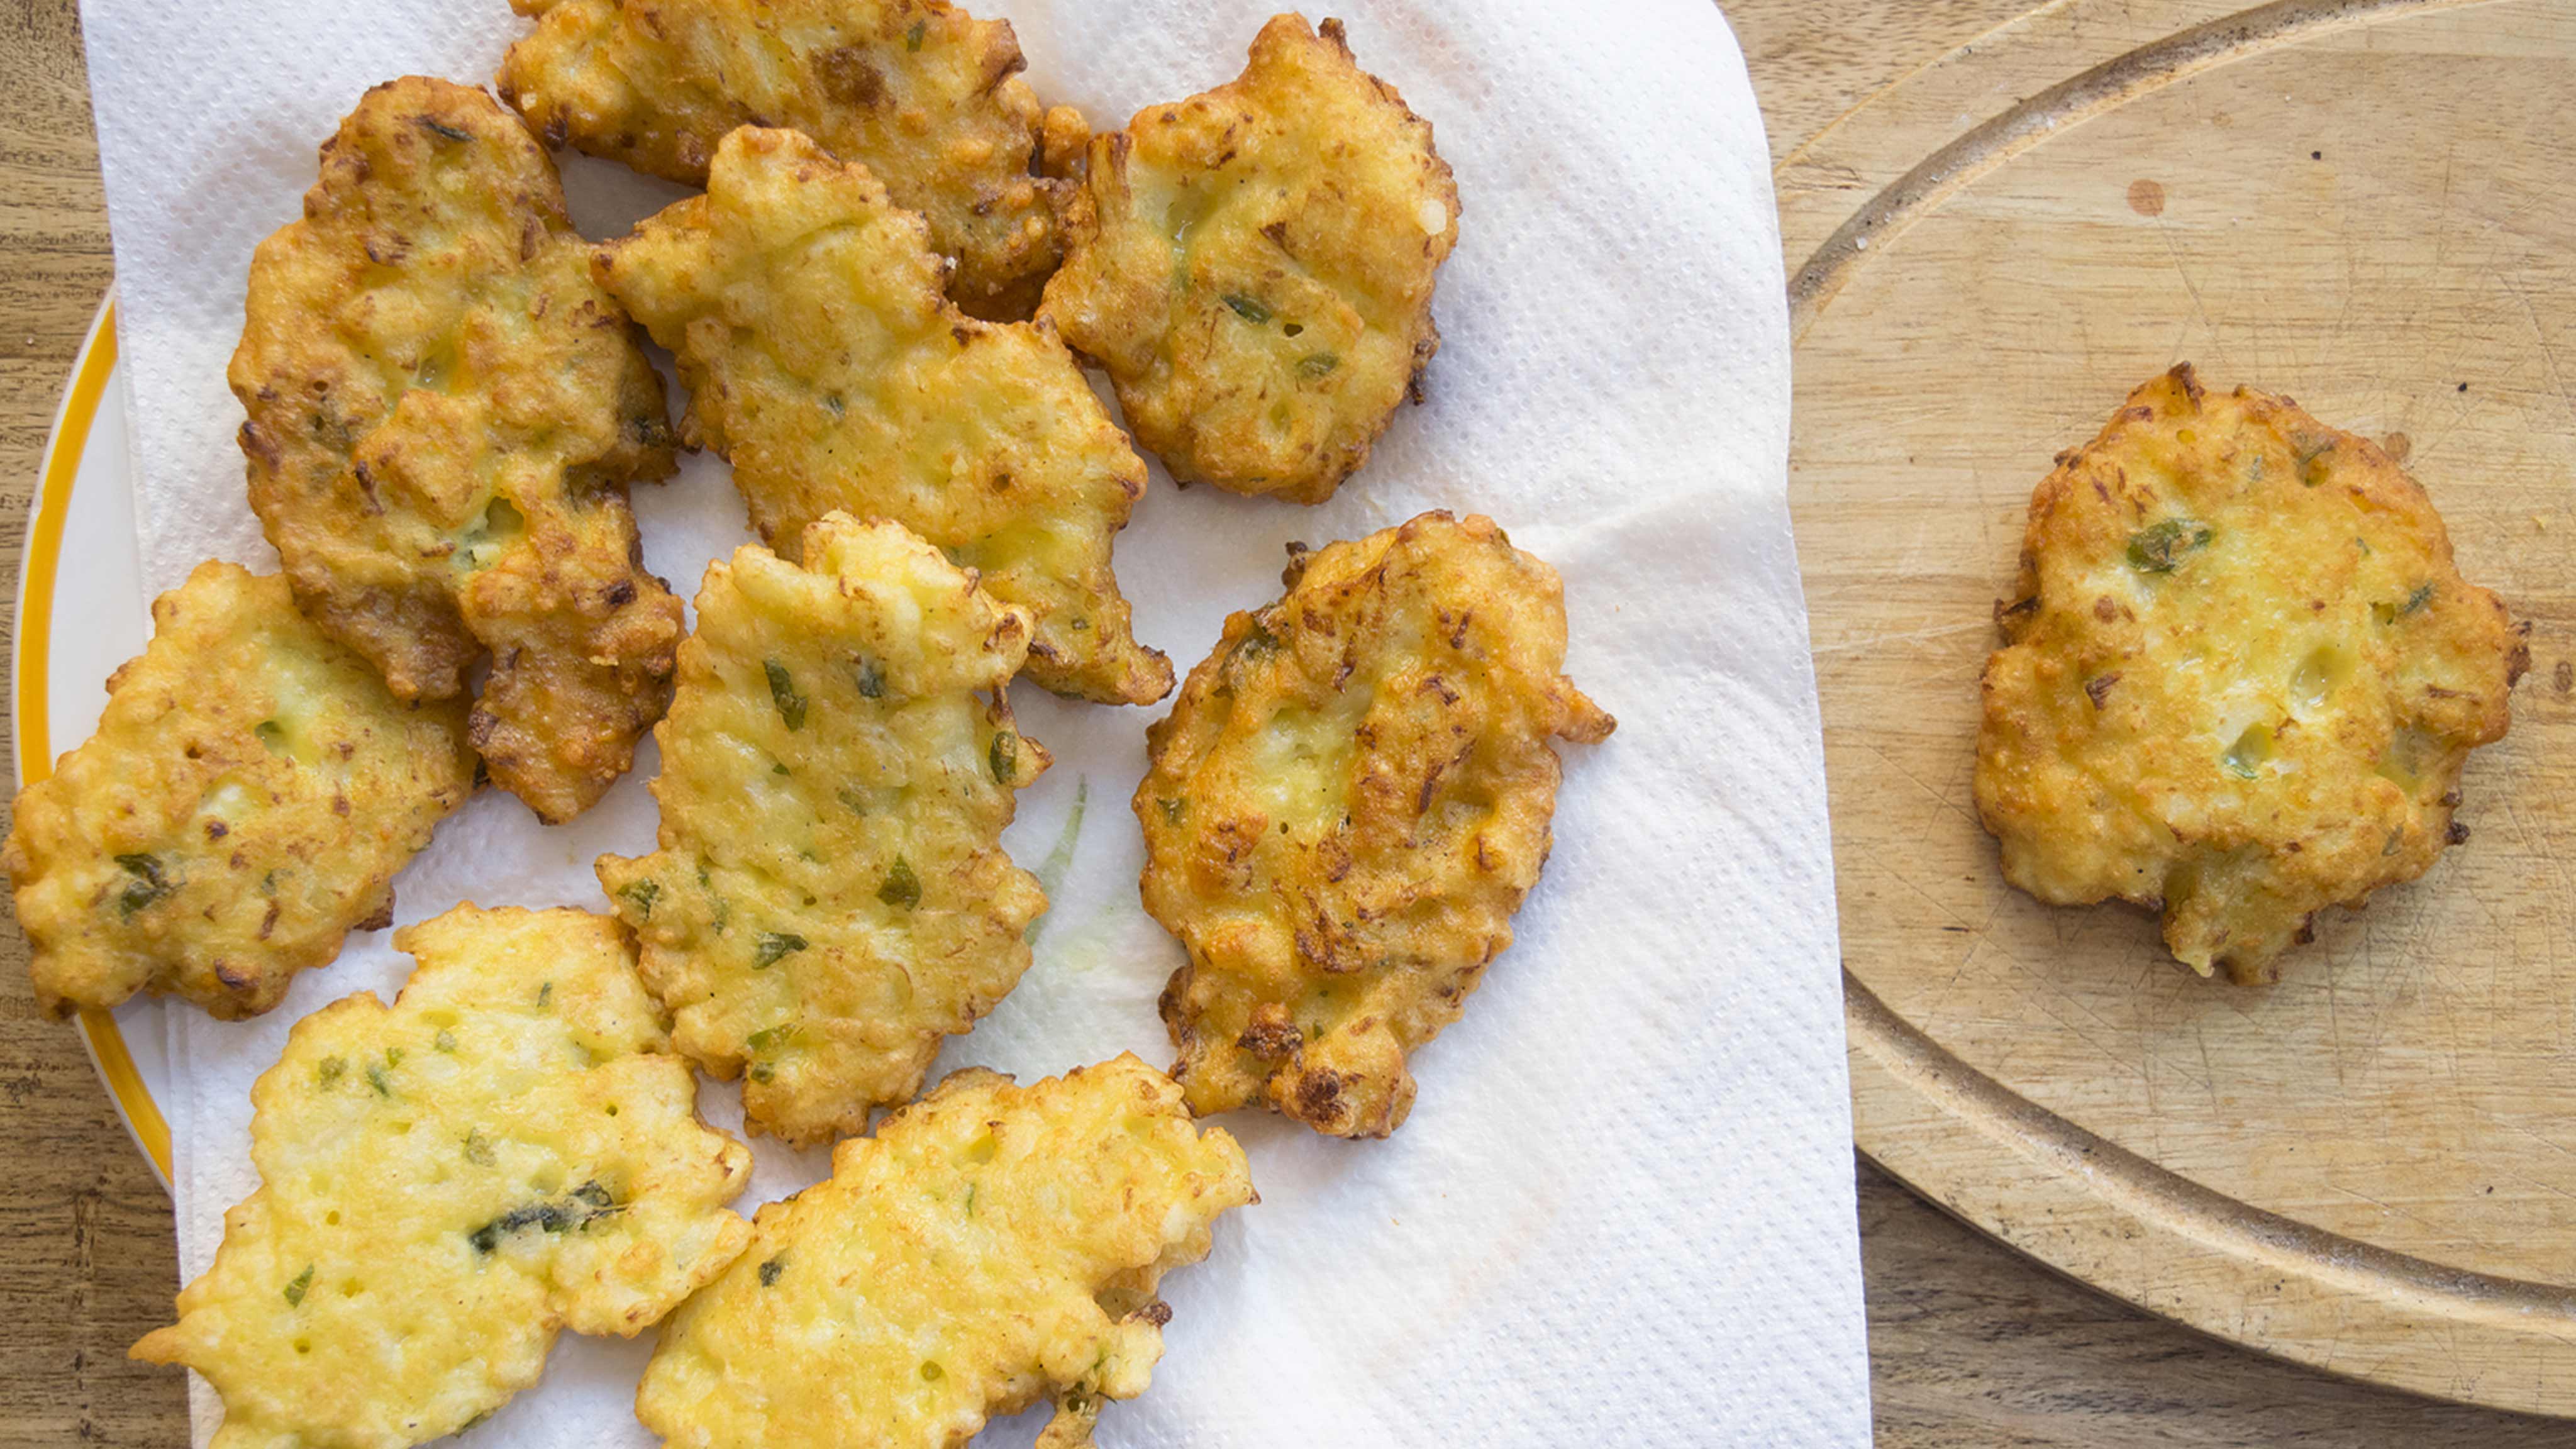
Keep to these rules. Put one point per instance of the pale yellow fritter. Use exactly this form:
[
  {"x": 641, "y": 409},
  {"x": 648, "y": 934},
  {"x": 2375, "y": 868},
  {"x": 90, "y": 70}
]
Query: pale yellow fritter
[
  {"x": 250, "y": 792},
  {"x": 1344, "y": 809},
  {"x": 445, "y": 411},
  {"x": 510, "y": 1149},
  {"x": 831, "y": 898},
  {"x": 2240, "y": 677},
  {"x": 1254, "y": 267},
  {"x": 823, "y": 362},
  {"x": 925, "y": 96},
  {"x": 990, "y": 1245}
]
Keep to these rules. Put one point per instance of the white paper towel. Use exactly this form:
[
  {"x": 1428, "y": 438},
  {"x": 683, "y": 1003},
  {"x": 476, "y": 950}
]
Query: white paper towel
[{"x": 1622, "y": 1210}]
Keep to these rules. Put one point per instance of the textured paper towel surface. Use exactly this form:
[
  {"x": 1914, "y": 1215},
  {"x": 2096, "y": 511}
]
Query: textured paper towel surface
[{"x": 1622, "y": 1210}]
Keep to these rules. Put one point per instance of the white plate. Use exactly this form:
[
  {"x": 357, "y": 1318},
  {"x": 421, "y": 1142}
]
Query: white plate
[{"x": 75, "y": 626}]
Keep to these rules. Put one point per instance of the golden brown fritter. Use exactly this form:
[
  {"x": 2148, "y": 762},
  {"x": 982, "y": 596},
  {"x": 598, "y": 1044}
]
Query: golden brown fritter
[
  {"x": 507, "y": 1151},
  {"x": 831, "y": 898},
  {"x": 823, "y": 362},
  {"x": 1344, "y": 809},
  {"x": 1254, "y": 266},
  {"x": 925, "y": 96},
  {"x": 250, "y": 792},
  {"x": 2240, "y": 675},
  {"x": 445, "y": 411},
  {"x": 990, "y": 1246}
]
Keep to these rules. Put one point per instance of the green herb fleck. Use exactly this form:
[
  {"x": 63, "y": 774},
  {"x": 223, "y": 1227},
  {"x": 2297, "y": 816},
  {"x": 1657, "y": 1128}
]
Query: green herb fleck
[
  {"x": 1004, "y": 757},
  {"x": 445, "y": 1040},
  {"x": 911, "y": 42},
  {"x": 379, "y": 1079},
  {"x": 147, "y": 885},
  {"x": 1258, "y": 641},
  {"x": 272, "y": 737},
  {"x": 478, "y": 1148},
  {"x": 1174, "y": 809},
  {"x": 296, "y": 1290},
  {"x": 770, "y": 1270},
  {"x": 575, "y": 1209},
  {"x": 970, "y": 1199},
  {"x": 545, "y": 994},
  {"x": 1250, "y": 309},
  {"x": 329, "y": 1070},
  {"x": 2417, "y": 600},
  {"x": 2311, "y": 460},
  {"x": 871, "y": 677},
  {"x": 782, "y": 692},
  {"x": 762, "y": 1071},
  {"x": 777, "y": 768},
  {"x": 2159, "y": 547},
  {"x": 1317, "y": 364},
  {"x": 772, "y": 946},
  {"x": 902, "y": 888},
  {"x": 641, "y": 894},
  {"x": 857, "y": 802},
  {"x": 770, "y": 1036},
  {"x": 441, "y": 128}
]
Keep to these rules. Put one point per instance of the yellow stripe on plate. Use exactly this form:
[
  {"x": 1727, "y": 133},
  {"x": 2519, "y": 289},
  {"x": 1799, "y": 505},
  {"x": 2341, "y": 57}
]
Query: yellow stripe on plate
[{"x": 34, "y": 666}]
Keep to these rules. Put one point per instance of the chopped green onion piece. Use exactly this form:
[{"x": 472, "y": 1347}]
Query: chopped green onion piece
[
  {"x": 782, "y": 692},
  {"x": 902, "y": 888},
  {"x": 2159, "y": 547}
]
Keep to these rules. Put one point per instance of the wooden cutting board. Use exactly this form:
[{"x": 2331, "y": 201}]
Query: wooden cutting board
[{"x": 2370, "y": 1167}]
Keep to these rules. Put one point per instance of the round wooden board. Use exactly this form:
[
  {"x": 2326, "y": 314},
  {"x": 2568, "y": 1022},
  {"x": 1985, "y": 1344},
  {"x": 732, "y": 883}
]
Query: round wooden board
[{"x": 2370, "y": 1167}]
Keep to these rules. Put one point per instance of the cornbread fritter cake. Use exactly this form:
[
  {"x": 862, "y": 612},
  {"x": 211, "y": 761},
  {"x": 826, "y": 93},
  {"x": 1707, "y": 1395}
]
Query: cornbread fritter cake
[
  {"x": 509, "y": 1150},
  {"x": 925, "y": 96},
  {"x": 445, "y": 411},
  {"x": 831, "y": 898},
  {"x": 2240, "y": 675},
  {"x": 1254, "y": 266},
  {"x": 991, "y": 1245},
  {"x": 249, "y": 795},
  {"x": 1344, "y": 809},
  {"x": 823, "y": 362}
]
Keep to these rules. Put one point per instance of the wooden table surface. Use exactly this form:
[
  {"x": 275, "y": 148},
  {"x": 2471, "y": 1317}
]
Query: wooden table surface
[{"x": 1970, "y": 1344}]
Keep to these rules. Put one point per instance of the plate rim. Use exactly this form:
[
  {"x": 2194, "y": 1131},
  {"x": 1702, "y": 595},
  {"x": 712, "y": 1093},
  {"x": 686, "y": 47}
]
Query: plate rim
[{"x": 31, "y": 691}]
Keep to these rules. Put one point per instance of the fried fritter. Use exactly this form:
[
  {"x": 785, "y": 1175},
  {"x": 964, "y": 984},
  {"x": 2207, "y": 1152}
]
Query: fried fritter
[
  {"x": 1254, "y": 267},
  {"x": 250, "y": 792},
  {"x": 2240, "y": 675},
  {"x": 822, "y": 360},
  {"x": 1344, "y": 809},
  {"x": 990, "y": 1245},
  {"x": 831, "y": 898},
  {"x": 445, "y": 411},
  {"x": 927, "y": 97},
  {"x": 507, "y": 1151}
]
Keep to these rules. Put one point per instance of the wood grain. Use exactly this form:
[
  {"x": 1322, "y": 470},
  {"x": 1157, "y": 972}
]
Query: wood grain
[
  {"x": 1971, "y": 1344},
  {"x": 2367, "y": 1166},
  {"x": 87, "y": 1262}
]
